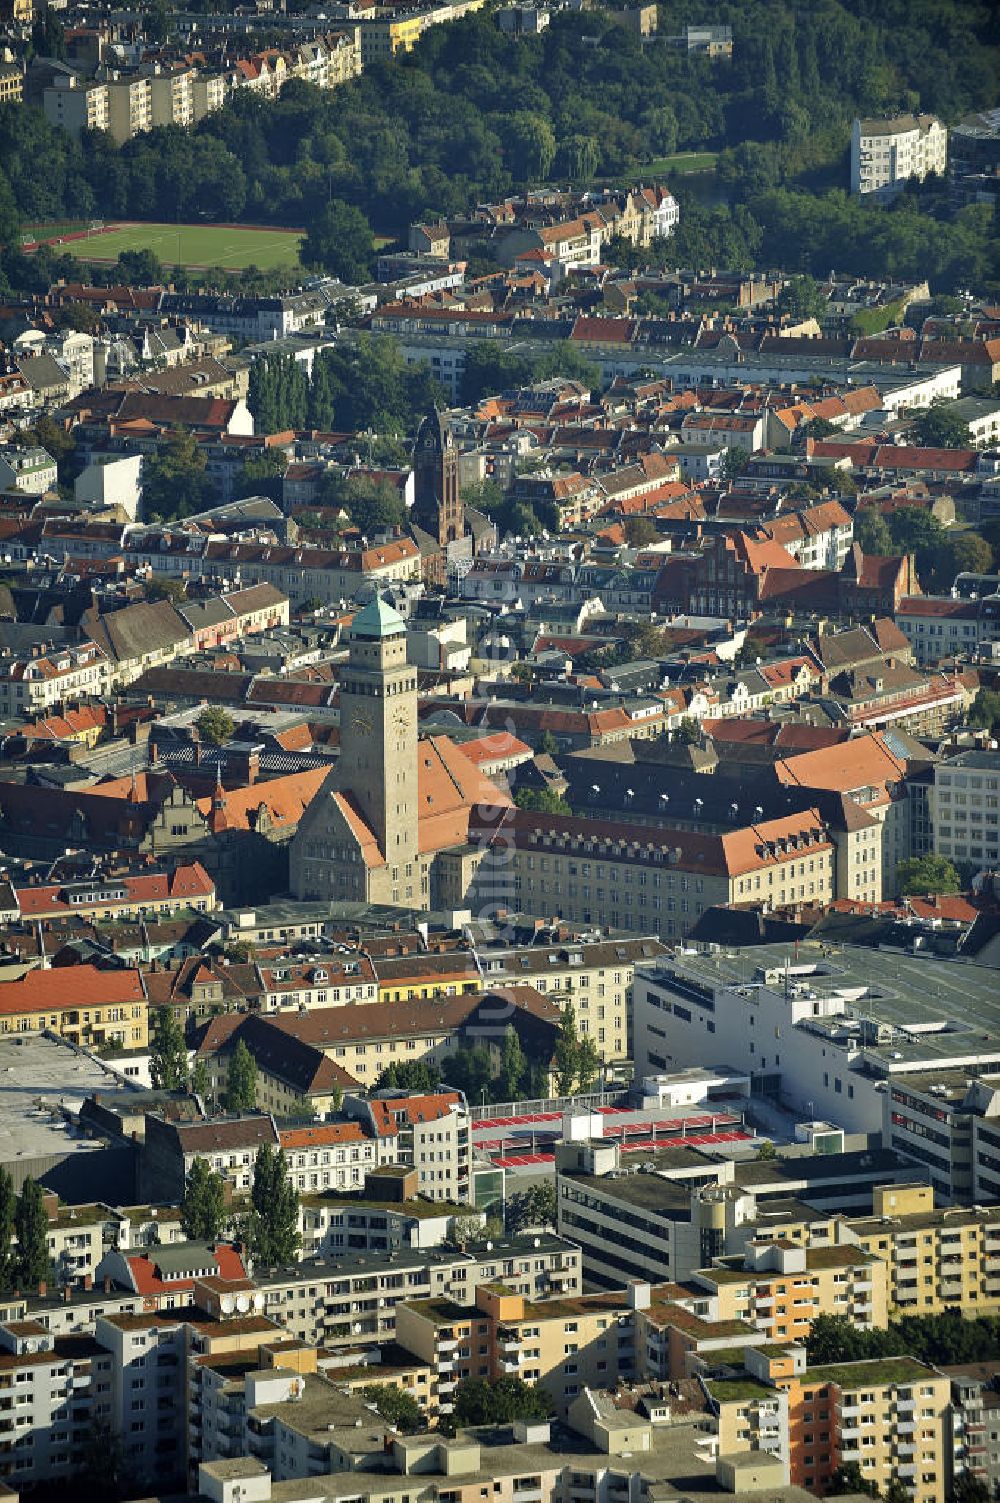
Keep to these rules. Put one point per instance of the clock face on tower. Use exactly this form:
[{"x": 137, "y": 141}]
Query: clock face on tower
[
  {"x": 362, "y": 725},
  {"x": 402, "y": 720}
]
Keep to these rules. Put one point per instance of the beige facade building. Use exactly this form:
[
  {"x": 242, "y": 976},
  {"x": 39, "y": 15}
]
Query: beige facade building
[
  {"x": 888, "y": 1416},
  {"x": 782, "y": 1289},
  {"x": 391, "y": 822},
  {"x": 935, "y": 1260},
  {"x": 660, "y": 881},
  {"x": 130, "y": 109}
]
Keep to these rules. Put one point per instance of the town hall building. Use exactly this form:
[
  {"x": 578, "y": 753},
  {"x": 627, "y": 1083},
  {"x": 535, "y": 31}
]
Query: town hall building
[{"x": 391, "y": 821}]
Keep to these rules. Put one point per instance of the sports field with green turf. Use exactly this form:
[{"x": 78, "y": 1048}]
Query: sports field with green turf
[{"x": 232, "y": 247}]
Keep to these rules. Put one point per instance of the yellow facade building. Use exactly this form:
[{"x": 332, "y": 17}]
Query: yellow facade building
[{"x": 81, "y": 1003}]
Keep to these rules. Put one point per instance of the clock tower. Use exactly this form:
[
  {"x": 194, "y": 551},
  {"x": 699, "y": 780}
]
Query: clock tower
[
  {"x": 437, "y": 499},
  {"x": 378, "y": 735}
]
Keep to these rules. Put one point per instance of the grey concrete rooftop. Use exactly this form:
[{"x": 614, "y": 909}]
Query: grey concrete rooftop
[{"x": 40, "y": 1079}]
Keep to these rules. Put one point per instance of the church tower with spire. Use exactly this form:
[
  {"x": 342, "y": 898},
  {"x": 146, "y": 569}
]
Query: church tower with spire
[{"x": 437, "y": 500}]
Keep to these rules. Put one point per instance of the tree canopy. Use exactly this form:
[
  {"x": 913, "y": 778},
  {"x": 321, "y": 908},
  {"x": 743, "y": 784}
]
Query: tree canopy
[
  {"x": 923, "y": 876},
  {"x": 271, "y": 1228},
  {"x": 241, "y": 1080},
  {"x": 938, "y": 427},
  {"x": 203, "y": 1209},
  {"x": 168, "y": 1058},
  {"x": 215, "y": 725}
]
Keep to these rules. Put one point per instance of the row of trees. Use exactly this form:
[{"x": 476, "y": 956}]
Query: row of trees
[
  {"x": 269, "y": 1228},
  {"x": 472, "y": 1068},
  {"x": 939, "y": 1339},
  {"x": 27, "y": 1264},
  {"x": 808, "y": 232},
  {"x": 170, "y": 1070}
]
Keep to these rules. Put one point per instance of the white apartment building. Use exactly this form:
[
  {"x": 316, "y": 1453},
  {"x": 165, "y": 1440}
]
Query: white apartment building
[
  {"x": 52, "y": 1390},
  {"x": 427, "y": 1133},
  {"x": 30, "y": 684},
  {"x": 76, "y": 105},
  {"x": 171, "y": 97},
  {"x": 939, "y": 627},
  {"x": 148, "y": 1356},
  {"x": 887, "y": 153},
  {"x": 32, "y": 471},
  {"x": 965, "y": 809}
]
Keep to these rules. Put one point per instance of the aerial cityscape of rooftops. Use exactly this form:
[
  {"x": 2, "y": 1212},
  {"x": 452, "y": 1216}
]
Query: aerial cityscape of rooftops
[{"x": 499, "y": 751}]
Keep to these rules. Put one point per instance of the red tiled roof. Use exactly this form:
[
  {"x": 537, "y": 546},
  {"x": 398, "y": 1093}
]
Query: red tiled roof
[
  {"x": 390, "y": 1115},
  {"x": 143, "y": 1268},
  {"x": 70, "y": 986},
  {"x": 322, "y": 1135}
]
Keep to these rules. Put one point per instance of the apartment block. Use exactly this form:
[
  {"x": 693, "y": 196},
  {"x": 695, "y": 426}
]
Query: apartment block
[
  {"x": 354, "y": 1297},
  {"x": 77, "y": 105},
  {"x": 975, "y": 1422},
  {"x": 944, "y": 626},
  {"x": 593, "y": 978},
  {"x": 781, "y": 1289},
  {"x": 454, "y": 1341},
  {"x": 935, "y": 1260},
  {"x": 330, "y": 1156},
  {"x": 965, "y": 809},
  {"x": 888, "y": 1416},
  {"x": 33, "y": 683},
  {"x": 887, "y": 153},
  {"x": 388, "y": 1216},
  {"x": 52, "y": 1392},
  {"x": 566, "y": 1344},
  {"x": 171, "y": 97},
  {"x": 228, "y": 1145},
  {"x": 147, "y": 1391},
  {"x": 130, "y": 109},
  {"x": 428, "y": 1134},
  {"x": 81, "y": 1003}
]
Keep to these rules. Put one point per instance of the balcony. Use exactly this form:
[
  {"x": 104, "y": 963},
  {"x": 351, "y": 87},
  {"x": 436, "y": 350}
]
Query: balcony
[{"x": 510, "y": 1365}]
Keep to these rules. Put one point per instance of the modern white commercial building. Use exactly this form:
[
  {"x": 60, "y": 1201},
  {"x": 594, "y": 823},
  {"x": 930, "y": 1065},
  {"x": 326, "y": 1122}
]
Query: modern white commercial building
[{"x": 825, "y": 1035}]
